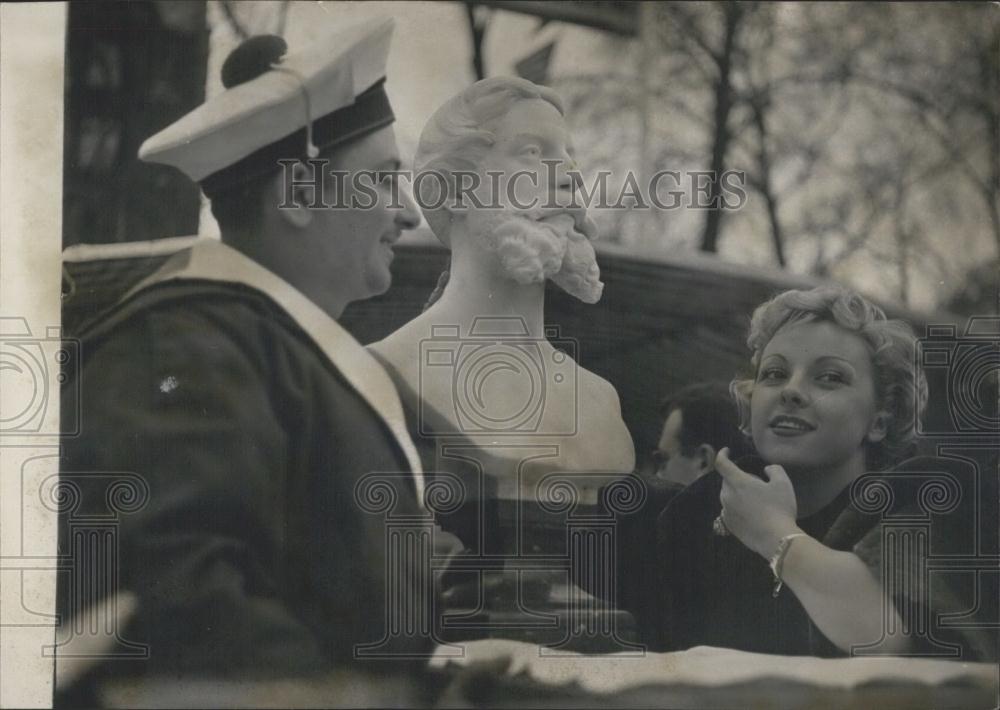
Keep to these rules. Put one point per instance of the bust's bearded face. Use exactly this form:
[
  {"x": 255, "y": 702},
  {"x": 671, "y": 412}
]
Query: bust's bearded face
[
  {"x": 531, "y": 249},
  {"x": 531, "y": 222}
]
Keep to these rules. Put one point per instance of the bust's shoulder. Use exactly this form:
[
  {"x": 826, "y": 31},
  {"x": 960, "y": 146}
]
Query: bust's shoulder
[
  {"x": 600, "y": 420},
  {"x": 401, "y": 348},
  {"x": 389, "y": 348},
  {"x": 595, "y": 387}
]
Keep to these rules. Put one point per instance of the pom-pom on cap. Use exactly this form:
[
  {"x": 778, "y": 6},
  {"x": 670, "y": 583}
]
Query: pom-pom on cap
[
  {"x": 252, "y": 58},
  {"x": 337, "y": 83}
]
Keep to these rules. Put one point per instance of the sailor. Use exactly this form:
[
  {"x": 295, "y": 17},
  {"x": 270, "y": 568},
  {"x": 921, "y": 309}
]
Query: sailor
[{"x": 240, "y": 420}]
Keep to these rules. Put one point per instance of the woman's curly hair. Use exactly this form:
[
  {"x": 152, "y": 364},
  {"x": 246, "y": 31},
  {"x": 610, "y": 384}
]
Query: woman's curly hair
[{"x": 900, "y": 385}]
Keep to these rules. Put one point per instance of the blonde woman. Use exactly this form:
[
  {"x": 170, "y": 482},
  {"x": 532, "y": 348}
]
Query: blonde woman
[{"x": 785, "y": 555}]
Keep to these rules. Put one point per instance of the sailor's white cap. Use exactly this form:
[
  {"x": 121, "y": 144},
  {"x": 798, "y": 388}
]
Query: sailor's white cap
[{"x": 278, "y": 106}]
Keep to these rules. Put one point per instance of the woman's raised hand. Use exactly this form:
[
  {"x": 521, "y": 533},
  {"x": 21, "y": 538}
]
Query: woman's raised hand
[{"x": 757, "y": 512}]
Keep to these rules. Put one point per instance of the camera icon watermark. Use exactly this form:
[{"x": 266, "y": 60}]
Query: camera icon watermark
[
  {"x": 965, "y": 369},
  {"x": 498, "y": 380},
  {"x": 32, "y": 367},
  {"x": 932, "y": 546}
]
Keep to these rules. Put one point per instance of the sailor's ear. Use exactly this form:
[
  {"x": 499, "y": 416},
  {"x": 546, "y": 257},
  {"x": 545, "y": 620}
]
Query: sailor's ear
[{"x": 293, "y": 192}]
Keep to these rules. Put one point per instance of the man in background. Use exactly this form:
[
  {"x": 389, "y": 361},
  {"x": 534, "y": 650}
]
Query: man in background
[{"x": 700, "y": 419}]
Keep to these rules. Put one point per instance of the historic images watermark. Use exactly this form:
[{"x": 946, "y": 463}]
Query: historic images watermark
[
  {"x": 39, "y": 370},
  {"x": 314, "y": 184},
  {"x": 93, "y": 608},
  {"x": 937, "y": 518},
  {"x": 542, "y": 370},
  {"x": 539, "y": 559},
  {"x": 967, "y": 368},
  {"x": 92, "y": 507},
  {"x": 27, "y": 361},
  {"x": 520, "y": 592}
]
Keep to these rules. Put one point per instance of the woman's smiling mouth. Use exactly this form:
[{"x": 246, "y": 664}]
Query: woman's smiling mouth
[{"x": 787, "y": 425}]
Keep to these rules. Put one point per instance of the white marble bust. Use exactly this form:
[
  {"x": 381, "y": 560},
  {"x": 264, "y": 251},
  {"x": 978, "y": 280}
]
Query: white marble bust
[{"x": 480, "y": 357}]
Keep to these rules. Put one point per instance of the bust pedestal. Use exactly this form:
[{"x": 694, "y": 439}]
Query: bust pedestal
[
  {"x": 528, "y": 438},
  {"x": 541, "y": 571}
]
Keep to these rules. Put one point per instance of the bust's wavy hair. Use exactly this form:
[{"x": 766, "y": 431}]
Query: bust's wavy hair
[
  {"x": 900, "y": 385},
  {"x": 457, "y": 135}
]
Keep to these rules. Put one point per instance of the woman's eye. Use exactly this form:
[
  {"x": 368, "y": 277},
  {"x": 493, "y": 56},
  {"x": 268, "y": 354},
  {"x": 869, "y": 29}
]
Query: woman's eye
[
  {"x": 770, "y": 374},
  {"x": 832, "y": 377},
  {"x": 531, "y": 151}
]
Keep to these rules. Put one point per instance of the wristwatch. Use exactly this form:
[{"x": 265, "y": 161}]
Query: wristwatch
[{"x": 778, "y": 559}]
